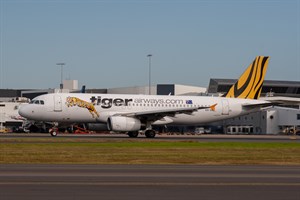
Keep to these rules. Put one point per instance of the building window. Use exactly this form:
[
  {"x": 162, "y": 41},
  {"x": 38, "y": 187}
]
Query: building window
[{"x": 298, "y": 116}]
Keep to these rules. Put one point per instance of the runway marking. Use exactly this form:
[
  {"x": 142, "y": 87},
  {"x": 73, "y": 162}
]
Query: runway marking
[
  {"x": 293, "y": 138},
  {"x": 147, "y": 184}
]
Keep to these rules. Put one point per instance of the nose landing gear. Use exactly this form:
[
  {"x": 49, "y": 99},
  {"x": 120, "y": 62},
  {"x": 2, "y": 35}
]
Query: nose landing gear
[{"x": 53, "y": 131}]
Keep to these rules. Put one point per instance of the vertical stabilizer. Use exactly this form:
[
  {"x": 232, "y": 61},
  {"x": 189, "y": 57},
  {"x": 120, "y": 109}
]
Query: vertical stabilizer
[{"x": 250, "y": 83}]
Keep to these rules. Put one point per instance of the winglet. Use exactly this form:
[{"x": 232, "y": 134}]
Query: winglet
[
  {"x": 250, "y": 83},
  {"x": 213, "y": 107}
]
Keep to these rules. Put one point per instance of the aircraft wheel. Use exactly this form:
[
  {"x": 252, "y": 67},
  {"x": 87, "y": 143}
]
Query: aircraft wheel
[
  {"x": 133, "y": 134},
  {"x": 150, "y": 133},
  {"x": 53, "y": 132}
]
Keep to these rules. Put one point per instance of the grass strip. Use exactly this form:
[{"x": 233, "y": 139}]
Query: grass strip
[{"x": 89, "y": 151}]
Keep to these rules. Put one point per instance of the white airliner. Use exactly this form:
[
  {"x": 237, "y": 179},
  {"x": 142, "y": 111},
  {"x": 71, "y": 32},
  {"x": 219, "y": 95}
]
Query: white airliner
[{"x": 133, "y": 113}]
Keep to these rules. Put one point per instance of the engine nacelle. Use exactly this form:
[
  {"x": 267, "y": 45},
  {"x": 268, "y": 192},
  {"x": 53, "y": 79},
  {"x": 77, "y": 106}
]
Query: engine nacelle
[{"x": 123, "y": 124}]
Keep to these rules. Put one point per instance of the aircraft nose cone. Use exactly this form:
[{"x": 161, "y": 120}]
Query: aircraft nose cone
[{"x": 24, "y": 111}]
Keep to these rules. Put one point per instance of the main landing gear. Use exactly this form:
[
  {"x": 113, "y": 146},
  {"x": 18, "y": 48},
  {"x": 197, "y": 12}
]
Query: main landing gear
[
  {"x": 148, "y": 133},
  {"x": 133, "y": 134}
]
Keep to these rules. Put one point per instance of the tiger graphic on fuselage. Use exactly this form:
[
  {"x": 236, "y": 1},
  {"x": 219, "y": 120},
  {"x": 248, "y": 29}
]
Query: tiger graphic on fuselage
[{"x": 74, "y": 101}]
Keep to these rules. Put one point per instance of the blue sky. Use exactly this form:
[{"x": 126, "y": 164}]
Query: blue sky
[{"x": 106, "y": 43}]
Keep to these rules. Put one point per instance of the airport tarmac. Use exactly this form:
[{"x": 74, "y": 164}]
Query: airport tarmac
[
  {"x": 149, "y": 182},
  {"x": 172, "y": 137}
]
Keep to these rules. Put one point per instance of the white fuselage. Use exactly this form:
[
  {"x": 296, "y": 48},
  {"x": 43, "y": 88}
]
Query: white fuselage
[{"x": 99, "y": 107}]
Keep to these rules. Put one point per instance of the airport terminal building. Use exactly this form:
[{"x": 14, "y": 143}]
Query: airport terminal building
[
  {"x": 281, "y": 119},
  {"x": 279, "y": 88}
]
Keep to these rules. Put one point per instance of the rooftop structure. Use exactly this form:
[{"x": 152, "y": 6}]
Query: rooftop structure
[{"x": 278, "y": 88}]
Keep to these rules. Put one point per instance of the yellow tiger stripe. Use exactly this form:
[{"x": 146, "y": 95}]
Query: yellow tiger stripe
[{"x": 250, "y": 82}]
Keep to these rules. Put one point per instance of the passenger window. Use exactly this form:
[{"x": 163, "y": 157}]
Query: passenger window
[{"x": 42, "y": 102}]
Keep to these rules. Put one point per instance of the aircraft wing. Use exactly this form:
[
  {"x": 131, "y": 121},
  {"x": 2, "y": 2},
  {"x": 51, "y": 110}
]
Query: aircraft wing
[{"x": 158, "y": 114}]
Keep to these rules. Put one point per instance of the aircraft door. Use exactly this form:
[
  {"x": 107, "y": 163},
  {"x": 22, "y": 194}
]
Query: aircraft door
[
  {"x": 2, "y": 115},
  {"x": 225, "y": 107},
  {"x": 57, "y": 104}
]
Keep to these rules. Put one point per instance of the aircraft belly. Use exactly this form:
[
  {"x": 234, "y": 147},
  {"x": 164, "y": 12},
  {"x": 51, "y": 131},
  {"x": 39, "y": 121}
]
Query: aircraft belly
[{"x": 69, "y": 115}]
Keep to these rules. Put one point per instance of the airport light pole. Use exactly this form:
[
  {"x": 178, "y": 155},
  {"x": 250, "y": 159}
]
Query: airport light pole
[
  {"x": 61, "y": 74},
  {"x": 149, "y": 56}
]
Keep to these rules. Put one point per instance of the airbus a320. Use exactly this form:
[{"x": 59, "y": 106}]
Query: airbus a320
[{"x": 134, "y": 113}]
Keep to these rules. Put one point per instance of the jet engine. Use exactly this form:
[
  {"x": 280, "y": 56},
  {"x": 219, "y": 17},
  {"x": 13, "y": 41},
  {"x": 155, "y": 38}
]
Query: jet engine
[{"x": 123, "y": 124}]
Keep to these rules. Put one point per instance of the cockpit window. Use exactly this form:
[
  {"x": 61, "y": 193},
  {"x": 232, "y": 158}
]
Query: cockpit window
[{"x": 40, "y": 102}]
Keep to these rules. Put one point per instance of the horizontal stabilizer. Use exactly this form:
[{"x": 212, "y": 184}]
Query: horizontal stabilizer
[{"x": 260, "y": 105}]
